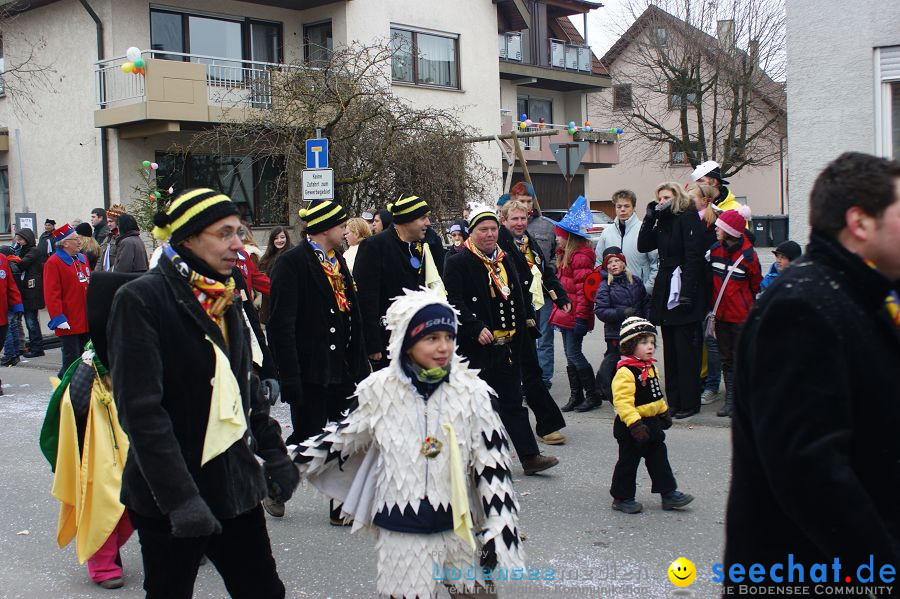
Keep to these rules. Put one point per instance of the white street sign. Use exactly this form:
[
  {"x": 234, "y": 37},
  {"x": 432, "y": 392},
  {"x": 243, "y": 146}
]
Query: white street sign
[{"x": 318, "y": 184}]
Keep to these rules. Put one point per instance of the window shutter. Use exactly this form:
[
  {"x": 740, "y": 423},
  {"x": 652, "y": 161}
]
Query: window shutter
[{"x": 890, "y": 63}]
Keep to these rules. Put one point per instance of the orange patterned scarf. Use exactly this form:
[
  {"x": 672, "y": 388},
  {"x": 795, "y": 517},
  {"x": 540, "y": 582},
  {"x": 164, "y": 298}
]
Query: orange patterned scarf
[{"x": 332, "y": 269}]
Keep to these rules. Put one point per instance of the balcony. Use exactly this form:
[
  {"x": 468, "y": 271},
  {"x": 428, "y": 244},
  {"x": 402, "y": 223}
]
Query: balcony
[
  {"x": 569, "y": 66},
  {"x": 602, "y": 151},
  {"x": 182, "y": 88}
]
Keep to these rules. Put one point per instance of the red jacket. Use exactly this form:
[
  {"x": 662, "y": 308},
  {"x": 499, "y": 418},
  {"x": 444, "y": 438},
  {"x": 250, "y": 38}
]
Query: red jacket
[
  {"x": 742, "y": 286},
  {"x": 256, "y": 279},
  {"x": 10, "y": 298},
  {"x": 581, "y": 264},
  {"x": 65, "y": 292}
]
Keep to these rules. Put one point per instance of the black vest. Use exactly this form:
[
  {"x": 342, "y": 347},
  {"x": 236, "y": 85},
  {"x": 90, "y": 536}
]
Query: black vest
[{"x": 645, "y": 391}]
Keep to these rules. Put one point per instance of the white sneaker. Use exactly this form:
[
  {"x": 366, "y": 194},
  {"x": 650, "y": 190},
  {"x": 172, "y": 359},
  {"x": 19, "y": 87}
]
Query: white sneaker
[{"x": 708, "y": 396}]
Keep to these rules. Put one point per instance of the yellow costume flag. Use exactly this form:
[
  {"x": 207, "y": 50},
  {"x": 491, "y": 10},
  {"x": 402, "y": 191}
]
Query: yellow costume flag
[
  {"x": 227, "y": 422},
  {"x": 537, "y": 287},
  {"x": 432, "y": 276},
  {"x": 459, "y": 497},
  {"x": 87, "y": 483}
]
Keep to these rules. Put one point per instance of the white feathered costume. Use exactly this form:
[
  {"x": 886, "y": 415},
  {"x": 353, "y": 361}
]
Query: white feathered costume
[{"x": 372, "y": 460}]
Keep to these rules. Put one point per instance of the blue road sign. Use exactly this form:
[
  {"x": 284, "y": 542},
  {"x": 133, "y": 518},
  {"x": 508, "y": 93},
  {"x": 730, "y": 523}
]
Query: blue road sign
[{"x": 316, "y": 153}]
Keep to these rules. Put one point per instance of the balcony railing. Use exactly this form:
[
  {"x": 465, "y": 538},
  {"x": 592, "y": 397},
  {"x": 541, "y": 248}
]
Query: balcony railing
[
  {"x": 510, "y": 46},
  {"x": 229, "y": 81},
  {"x": 571, "y": 57},
  {"x": 602, "y": 150}
]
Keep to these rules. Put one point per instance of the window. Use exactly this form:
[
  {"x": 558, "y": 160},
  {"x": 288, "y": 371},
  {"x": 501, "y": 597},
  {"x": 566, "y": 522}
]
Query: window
[
  {"x": 424, "y": 59},
  {"x": 895, "y": 119},
  {"x": 253, "y": 186},
  {"x": 887, "y": 103},
  {"x": 535, "y": 109},
  {"x": 4, "y": 200},
  {"x": 681, "y": 94},
  {"x": 677, "y": 155},
  {"x": 2, "y": 68},
  {"x": 317, "y": 43},
  {"x": 659, "y": 36},
  {"x": 622, "y": 96}
]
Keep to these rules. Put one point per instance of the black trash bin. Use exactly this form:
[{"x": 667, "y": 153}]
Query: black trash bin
[
  {"x": 769, "y": 230},
  {"x": 761, "y": 230},
  {"x": 778, "y": 229}
]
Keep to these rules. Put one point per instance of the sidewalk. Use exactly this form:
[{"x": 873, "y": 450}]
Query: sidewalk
[{"x": 50, "y": 362}]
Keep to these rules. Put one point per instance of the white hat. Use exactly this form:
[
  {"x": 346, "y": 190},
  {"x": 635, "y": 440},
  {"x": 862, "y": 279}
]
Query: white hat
[{"x": 704, "y": 169}]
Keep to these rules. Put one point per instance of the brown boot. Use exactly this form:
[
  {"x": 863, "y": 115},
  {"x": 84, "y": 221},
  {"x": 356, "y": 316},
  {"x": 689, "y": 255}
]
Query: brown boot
[{"x": 537, "y": 463}]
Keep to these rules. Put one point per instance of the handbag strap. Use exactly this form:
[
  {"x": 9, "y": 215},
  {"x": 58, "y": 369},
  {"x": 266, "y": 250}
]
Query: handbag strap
[{"x": 731, "y": 268}]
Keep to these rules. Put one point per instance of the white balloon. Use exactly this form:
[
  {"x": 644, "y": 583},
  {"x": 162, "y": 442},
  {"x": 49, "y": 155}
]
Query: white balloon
[{"x": 133, "y": 53}]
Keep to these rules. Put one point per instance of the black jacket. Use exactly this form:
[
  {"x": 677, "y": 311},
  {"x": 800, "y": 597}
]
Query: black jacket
[
  {"x": 161, "y": 368},
  {"x": 101, "y": 231},
  {"x": 313, "y": 342},
  {"x": 382, "y": 271},
  {"x": 681, "y": 240},
  {"x": 816, "y": 455},
  {"x": 548, "y": 273},
  {"x": 466, "y": 281},
  {"x": 30, "y": 268},
  {"x": 42, "y": 245}
]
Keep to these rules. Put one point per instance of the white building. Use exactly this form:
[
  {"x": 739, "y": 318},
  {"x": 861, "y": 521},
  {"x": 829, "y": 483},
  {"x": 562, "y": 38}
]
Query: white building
[{"x": 843, "y": 89}]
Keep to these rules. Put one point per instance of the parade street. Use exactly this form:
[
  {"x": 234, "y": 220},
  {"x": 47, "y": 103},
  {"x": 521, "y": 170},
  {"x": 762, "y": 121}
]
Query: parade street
[{"x": 573, "y": 537}]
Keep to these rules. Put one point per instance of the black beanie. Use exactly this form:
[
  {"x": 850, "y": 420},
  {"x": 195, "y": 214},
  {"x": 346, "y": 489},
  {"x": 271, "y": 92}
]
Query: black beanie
[
  {"x": 789, "y": 249},
  {"x": 408, "y": 209},
  {"x": 431, "y": 318},
  {"x": 190, "y": 213},
  {"x": 84, "y": 229}
]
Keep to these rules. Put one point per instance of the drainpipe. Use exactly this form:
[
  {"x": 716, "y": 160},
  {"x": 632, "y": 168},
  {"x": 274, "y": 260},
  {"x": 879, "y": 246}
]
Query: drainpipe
[{"x": 104, "y": 142}]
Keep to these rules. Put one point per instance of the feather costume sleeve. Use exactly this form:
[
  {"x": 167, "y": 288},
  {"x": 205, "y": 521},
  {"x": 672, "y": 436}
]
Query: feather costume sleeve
[{"x": 337, "y": 441}]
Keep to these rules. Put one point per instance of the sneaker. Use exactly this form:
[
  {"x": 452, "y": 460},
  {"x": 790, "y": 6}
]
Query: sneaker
[
  {"x": 112, "y": 583},
  {"x": 33, "y": 354},
  {"x": 274, "y": 508},
  {"x": 627, "y": 506},
  {"x": 537, "y": 463},
  {"x": 676, "y": 500},
  {"x": 554, "y": 438},
  {"x": 9, "y": 361},
  {"x": 708, "y": 396}
]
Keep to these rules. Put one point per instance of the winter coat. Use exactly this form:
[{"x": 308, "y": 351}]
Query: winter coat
[
  {"x": 815, "y": 451},
  {"x": 30, "y": 276},
  {"x": 743, "y": 285},
  {"x": 131, "y": 254},
  {"x": 46, "y": 245},
  {"x": 548, "y": 276},
  {"x": 612, "y": 300},
  {"x": 769, "y": 278},
  {"x": 382, "y": 271},
  {"x": 313, "y": 342},
  {"x": 65, "y": 292},
  {"x": 642, "y": 264},
  {"x": 106, "y": 262},
  {"x": 161, "y": 365},
  {"x": 257, "y": 279},
  {"x": 572, "y": 276},
  {"x": 543, "y": 232},
  {"x": 10, "y": 298},
  {"x": 101, "y": 231},
  {"x": 681, "y": 240}
]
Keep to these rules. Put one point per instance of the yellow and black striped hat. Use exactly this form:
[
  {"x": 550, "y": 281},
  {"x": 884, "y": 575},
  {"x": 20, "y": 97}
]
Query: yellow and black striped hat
[
  {"x": 408, "y": 209},
  {"x": 322, "y": 215},
  {"x": 190, "y": 213}
]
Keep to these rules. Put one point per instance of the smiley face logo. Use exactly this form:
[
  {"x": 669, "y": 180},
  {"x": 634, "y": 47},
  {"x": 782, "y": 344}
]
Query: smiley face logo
[{"x": 682, "y": 572}]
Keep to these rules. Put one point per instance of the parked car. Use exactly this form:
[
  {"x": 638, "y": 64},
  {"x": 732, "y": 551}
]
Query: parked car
[{"x": 601, "y": 221}]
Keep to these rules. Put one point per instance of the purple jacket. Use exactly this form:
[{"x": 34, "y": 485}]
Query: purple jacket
[{"x": 612, "y": 300}]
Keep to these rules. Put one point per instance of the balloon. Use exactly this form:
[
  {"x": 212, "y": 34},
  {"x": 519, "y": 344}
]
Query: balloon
[
  {"x": 170, "y": 191},
  {"x": 619, "y": 131},
  {"x": 587, "y": 123},
  {"x": 587, "y": 128},
  {"x": 139, "y": 71},
  {"x": 127, "y": 67},
  {"x": 571, "y": 130},
  {"x": 528, "y": 122},
  {"x": 133, "y": 53},
  {"x": 523, "y": 117},
  {"x": 571, "y": 124},
  {"x": 139, "y": 62},
  {"x": 522, "y": 125},
  {"x": 146, "y": 164},
  {"x": 153, "y": 166},
  {"x": 157, "y": 195}
]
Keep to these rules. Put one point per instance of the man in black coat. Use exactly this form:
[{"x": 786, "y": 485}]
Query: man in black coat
[
  {"x": 315, "y": 328},
  {"x": 194, "y": 415},
  {"x": 388, "y": 263},
  {"x": 45, "y": 243},
  {"x": 98, "y": 223},
  {"x": 484, "y": 286},
  {"x": 816, "y": 460},
  {"x": 515, "y": 240}
]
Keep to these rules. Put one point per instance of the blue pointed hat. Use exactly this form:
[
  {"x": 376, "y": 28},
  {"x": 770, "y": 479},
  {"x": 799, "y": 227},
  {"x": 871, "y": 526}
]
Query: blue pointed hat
[{"x": 577, "y": 220}]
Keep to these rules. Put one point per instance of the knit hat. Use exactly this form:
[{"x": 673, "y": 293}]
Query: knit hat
[
  {"x": 789, "y": 249},
  {"x": 50, "y": 221},
  {"x": 634, "y": 326},
  {"x": 407, "y": 209},
  {"x": 430, "y": 319},
  {"x": 323, "y": 215},
  {"x": 576, "y": 221},
  {"x": 190, "y": 213},
  {"x": 522, "y": 189},
  {"x": 613, "y": 252},
  {"x": 84, "y": 229},
  {"x": 710, "y": 168},
  {"x": 502, "y": 199},
  {"x": 401, "y": 311},
  {"x": 116, "y": 210},
  {"x": 734, "y": 222},
  {"x": 479, "y": 213},
  {"x": 62, "y": 232}
]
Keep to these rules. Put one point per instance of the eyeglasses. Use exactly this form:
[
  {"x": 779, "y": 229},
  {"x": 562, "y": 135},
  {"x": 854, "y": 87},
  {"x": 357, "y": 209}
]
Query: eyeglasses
[{"x": 223, "y": 235}]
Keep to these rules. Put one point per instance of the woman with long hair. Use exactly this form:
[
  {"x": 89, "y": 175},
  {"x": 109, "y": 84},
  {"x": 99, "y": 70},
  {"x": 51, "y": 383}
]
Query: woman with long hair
[
  {"x": 357, "y": 230},
  {"x": 673, "y": 226},
  {"x": 251, "y": 248},
  {"x": 89, "y": 246},
  {"x": 279, "y": 243},
  {"x": 575, "y": 260}
]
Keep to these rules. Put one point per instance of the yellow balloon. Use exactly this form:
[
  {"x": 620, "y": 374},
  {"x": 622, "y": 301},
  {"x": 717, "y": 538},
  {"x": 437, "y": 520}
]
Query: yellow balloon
[{"x": 127, "y": 67}]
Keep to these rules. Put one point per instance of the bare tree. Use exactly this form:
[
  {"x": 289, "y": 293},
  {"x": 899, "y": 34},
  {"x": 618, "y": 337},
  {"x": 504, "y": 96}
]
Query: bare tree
[
  {"x": 702, "y": 77},
  {"x": 380, "y": 145},
  {"x": 23, "y": 69}
]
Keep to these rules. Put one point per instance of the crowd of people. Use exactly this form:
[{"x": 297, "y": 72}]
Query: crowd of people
[{"x": 410, "y": 366}]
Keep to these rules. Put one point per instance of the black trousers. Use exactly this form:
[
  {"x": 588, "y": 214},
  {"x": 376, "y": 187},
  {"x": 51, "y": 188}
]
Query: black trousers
[
  {"x": 242, "y": 554},
  {"x": 607, "y": 369},
  {"x": 504, "y": 374},
  {"x": 547, "y": 415},
  {"x": 320, "y": 405},
  {"x": 683, "y": 352},
  {"x": 72, "y": 348},
  {"x": 656, "y": 458},
  {"x": 727, "y": 334}
]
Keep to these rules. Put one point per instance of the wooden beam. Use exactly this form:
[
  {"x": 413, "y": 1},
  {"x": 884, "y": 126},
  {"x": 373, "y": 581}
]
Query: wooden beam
[{"x": 510, "y": 135}]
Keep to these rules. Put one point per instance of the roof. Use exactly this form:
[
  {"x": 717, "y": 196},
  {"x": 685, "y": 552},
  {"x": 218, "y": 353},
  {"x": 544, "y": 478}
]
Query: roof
[{"x": 571, "y": 34}]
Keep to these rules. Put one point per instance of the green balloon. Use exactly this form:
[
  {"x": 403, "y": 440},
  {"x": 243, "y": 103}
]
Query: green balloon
[
  {"x": 146, "y": 164},
  {"x": 157, "y": 194},
  {"x": 139, "y": 63}
]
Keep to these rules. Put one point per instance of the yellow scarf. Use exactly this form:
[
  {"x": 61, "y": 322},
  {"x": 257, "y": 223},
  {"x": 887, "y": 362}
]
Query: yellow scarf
[
  {"x": 227, "y": 422},
  {"x": 496, "y": 271},
  {"x": 459, "y": 497}
]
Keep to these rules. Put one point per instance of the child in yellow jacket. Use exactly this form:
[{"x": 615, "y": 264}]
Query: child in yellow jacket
[{"x": 642, "y": 415}]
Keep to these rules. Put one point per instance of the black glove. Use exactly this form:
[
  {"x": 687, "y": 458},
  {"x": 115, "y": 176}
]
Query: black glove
[
  {"x": 291, "y": 393},
  {"x": 629, "y": 311},
  {"x": 193, "y": 518},
  {"x": 581, "y": 327},
  {"x": 271, "y": 390},
  {"x": 665, "y": 420},
  {"x": 282, "y": 477},
  {"x": 639, "y": 432},
  {"x": 651, "y": 211}
]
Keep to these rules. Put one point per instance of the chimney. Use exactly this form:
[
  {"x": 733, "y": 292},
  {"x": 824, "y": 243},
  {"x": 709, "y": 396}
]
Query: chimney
[
  {"x": 725, "y": 33},
  {"x": 753, "y": 50}
]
